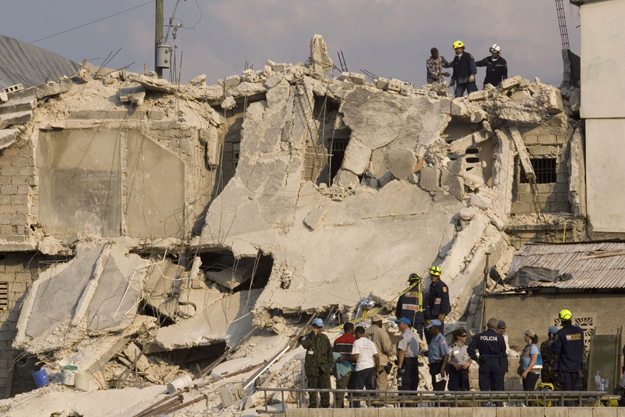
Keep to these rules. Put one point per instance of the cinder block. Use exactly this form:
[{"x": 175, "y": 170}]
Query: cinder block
[
  {"x": 26, "y": 171},
  {"x": 522, "y": 208},
  {"x": 23, "y": 276},
  {"x": 8, "y": 189},
  {"x": 5, "y": 199},
  {"x": 530, "y": 139},
  {"x": 5, "y": 230},
  {"x": 25, "y": 152},
  {"x": 21, "y": 209},
  {"x": 23, "y": 189},
  {"x": 8, "y": 335},
  {"x": 9, "y": 171},
  {"x": 547, "y": 139},
  {"x": 5, "y": 179},
  {"x": 19, "y": 199}
]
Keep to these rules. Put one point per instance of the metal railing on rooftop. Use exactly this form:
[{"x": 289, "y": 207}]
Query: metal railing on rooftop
[{"x": 451, "y": 398}]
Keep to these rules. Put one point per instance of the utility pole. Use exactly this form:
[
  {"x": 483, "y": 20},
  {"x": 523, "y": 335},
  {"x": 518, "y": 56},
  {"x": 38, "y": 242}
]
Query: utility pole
[{"x": 158, "y": 36}]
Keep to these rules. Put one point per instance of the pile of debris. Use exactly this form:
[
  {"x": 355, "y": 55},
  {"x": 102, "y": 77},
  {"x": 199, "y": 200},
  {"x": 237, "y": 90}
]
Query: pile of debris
[{"x": 295, "y": 232}]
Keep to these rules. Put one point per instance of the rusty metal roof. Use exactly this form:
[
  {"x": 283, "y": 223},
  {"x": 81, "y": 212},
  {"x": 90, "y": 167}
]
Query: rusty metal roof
[{"x": 594, "y": 265}]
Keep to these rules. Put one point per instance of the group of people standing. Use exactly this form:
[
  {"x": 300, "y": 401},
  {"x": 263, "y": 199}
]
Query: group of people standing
[
  {"x": 361, "y": 358},
  {"x": 465, "y": 68}
]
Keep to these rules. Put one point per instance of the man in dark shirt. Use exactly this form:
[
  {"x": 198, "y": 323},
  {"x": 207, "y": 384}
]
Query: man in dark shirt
[
  {"x": 493, "y": 361},
  {"x": 464, "y": 71},
  {"x": 569, "y": 346},
  {"x": 496, "y": 67}
]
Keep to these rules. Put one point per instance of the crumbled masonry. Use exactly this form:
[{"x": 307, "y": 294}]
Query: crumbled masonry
[{"x": 171, "y": 222}]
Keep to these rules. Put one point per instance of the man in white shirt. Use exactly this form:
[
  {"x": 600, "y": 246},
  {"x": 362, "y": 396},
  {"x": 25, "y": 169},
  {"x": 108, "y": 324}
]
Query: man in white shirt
[{"x": 367, "y": 361}]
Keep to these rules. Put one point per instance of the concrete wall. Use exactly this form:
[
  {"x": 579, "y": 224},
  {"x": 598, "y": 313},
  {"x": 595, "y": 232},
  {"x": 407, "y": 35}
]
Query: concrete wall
[
  {"x": 18, "y": 270},
  {"x": 545, "y": 141},
  {"x": 602, "y": 89},
  {"x": 18, "y": 189},
  {"x": 80, "y": 178},
  {"x": 536, "y": 312},
  {"x": 605, "y": 176},
  {"x": 602, "y": 106}
]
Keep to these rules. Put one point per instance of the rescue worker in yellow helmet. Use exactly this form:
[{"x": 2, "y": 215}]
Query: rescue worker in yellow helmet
[
  {"x": 569, "y": 346},
  {"x": 465, "y": 70},
  {"x": 437, "y": 301}
]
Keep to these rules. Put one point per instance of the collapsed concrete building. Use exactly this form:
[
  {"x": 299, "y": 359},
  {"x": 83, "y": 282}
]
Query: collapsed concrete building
[{"x": 150, "y": 228}]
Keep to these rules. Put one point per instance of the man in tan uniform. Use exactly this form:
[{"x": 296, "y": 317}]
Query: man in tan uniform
[{"x": 383, "y": 344}]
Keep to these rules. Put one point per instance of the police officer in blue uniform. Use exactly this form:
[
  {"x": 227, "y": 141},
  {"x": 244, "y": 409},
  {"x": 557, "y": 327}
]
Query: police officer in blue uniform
[
  {"x": 493, "y": 360},
  {"x": 569, "y": 346},
  {"x": 410, "y": 305},
  {"x": 437, "y": 301}
]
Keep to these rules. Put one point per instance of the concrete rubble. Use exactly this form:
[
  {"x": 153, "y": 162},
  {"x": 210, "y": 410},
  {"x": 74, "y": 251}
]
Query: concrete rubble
[{"x": 314, "y": 193}]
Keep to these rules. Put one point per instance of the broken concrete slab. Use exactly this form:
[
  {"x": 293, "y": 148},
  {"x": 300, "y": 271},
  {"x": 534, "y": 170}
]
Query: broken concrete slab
[
  {"x": 357, "y": 156},
  {"x": 8, "y": 137},
  {"x": 526, "y": 163},
  {"x": 401, "y": 162},
  {"x": 17, "y": 118},
  {"x": 232, "y": 81},
  {"x": 347, "y": 179},
  {"x": 227, "y": 320},
  {"x": 314, "y": 218},
  {"x": 96, "y": 291},
  {"x": 429, "y": 178},
  {"x": 18, "y": 105},
  {"x": 321, "y": 62},
  {"x": 453, "y": 184}
]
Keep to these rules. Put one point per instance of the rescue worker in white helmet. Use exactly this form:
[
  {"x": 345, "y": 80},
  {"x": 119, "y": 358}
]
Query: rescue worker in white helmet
[{"x": 496, "y": 67}]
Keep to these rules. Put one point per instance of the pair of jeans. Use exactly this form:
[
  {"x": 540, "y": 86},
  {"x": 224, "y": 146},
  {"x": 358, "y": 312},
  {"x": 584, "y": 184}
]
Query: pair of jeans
[{"x": 363, "y": 379}]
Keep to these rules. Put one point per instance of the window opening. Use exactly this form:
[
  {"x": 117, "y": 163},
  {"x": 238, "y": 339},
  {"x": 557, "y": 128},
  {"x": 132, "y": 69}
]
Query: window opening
[{"x": 545, "y": 170}]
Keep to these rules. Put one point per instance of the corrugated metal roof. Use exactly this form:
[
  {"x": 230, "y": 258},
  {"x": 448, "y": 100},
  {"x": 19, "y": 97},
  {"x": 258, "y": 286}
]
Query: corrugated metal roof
[
  {"x": 30, "y": 65},
  {"x": 599, "y": 265}
]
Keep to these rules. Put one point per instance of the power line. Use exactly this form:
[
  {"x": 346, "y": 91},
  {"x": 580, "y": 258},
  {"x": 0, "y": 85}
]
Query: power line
[{"x": 95, "y": 21}]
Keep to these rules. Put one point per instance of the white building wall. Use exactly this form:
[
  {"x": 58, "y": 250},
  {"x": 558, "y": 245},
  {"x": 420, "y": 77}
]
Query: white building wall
[{"x": 603, "y": 107}]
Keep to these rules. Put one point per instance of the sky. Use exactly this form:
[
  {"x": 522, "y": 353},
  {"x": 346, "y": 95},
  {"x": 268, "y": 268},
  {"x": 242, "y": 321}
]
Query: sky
[{"x": 389, "y": 38}]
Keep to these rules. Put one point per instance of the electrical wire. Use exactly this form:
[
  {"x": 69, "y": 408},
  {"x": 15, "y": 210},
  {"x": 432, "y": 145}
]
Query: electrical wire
[{"x": 95, "y": 21}]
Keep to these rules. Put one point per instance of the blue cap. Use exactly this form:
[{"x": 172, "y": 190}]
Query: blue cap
[
  {"x": 434, "y": 323},
  {"x": 553, "y": 330},
  {"x": 317, "y": 322},
  {"x": 403, "y": 320}
]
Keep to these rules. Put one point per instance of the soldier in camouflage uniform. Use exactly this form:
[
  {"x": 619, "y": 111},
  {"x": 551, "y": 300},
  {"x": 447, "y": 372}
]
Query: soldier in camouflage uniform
[
  {"x": 318, "y": 364},
  {"x": 548, "y": 374}
]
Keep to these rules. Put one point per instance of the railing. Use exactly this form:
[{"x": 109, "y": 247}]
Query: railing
[{"x": 451, "y": 398}]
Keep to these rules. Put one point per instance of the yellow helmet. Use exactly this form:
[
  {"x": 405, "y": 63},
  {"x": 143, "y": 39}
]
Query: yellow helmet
[
  {"x": 566, "y": 315},
  {"x": 435, "y": 270},
  {"x": 458, "y": 44}
]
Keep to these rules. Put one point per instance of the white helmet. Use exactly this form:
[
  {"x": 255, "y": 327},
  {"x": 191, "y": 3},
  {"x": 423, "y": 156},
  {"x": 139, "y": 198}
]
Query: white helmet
[{"x": 495, "y": 48}]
